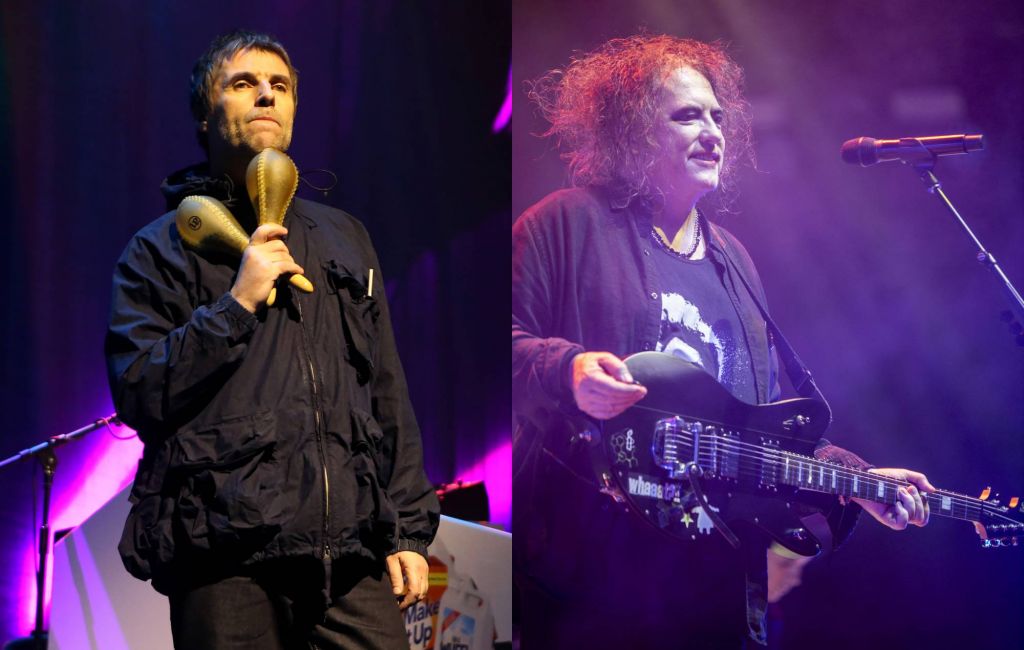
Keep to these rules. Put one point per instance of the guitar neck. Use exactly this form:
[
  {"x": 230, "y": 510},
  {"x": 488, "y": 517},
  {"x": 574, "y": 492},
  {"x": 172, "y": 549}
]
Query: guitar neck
[{"x": 816, "y": 475}]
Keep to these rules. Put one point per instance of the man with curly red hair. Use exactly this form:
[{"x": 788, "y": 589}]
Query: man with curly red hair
[{"x": 627, "y": 261}]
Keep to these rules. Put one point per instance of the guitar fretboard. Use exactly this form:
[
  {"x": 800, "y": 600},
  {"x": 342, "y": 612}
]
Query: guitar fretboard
[{"x": 728, "y": 457}]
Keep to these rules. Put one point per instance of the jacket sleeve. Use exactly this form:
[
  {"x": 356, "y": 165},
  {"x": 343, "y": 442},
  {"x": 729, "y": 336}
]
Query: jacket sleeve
[
  {"x": 163, "y": 355},
  {"x": 842, "y": 519},
  {"x": 412, "y": 493},
  {"x": 540, "y": 364}
]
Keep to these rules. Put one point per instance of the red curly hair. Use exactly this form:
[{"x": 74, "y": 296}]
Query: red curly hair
[{"x": 602, "y": 110}]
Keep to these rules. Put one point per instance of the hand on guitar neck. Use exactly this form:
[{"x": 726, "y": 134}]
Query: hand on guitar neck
[
  {"x": 602, "y": 385},
  {"x": 911, "y": 506}
]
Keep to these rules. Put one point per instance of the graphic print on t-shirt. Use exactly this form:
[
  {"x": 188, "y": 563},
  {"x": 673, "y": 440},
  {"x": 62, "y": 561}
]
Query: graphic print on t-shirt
[
  {"x": 699, "y": 324},
  {"x": 681, "y": 320}
]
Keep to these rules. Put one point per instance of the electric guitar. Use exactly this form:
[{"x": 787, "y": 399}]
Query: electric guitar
[{"x": 690, "y": 458}]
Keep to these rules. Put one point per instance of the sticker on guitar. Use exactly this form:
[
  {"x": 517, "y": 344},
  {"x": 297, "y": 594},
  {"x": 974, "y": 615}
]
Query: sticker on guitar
[
  {"x": 641, "y": 485},
  {"x": 625, "y": 448},
  {"x": 704, "y": 523}
]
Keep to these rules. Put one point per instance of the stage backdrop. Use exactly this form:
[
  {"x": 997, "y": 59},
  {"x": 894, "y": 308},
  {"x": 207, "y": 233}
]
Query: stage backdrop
[
  {"x": 400, "y": 100},
  {"x": 866, "y": 273}
]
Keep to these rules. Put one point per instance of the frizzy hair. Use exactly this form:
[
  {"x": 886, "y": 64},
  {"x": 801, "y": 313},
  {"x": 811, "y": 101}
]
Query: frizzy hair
[{"x": 602, "y": 111}]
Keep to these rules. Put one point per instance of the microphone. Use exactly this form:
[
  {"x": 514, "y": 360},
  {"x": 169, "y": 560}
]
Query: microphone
[{"x": 868, "y": 151}]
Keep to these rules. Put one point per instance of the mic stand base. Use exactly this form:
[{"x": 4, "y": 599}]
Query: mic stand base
[{"x": 29, "y": 642}]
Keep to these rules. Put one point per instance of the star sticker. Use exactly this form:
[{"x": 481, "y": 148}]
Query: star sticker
[{"x": 687, "y": 520}]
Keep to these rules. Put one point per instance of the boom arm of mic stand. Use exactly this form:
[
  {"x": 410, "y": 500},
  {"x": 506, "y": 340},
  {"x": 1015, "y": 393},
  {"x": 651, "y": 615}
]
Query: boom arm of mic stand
[{"x": 924, "y": 167}]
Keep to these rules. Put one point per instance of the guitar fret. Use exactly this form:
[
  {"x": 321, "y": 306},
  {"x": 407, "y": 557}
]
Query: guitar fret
[{"x": 821, "y": 476}]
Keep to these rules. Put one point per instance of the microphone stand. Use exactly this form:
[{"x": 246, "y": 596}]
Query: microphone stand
[
  {"x": 43, "y": 452},
  {"x": 924, "y": 163}
]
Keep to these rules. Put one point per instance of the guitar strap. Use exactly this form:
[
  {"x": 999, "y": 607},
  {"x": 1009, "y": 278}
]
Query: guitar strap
[
  {"x": 803, "y": 382},
  {"x": 798, "y": 373}
]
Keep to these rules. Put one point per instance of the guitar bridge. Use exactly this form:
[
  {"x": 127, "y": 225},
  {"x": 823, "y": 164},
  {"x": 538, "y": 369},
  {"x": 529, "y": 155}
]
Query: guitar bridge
[{"x": 672, "y": 444}]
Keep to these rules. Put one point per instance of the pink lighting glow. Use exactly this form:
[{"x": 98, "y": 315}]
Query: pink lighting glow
[
  {"x": 505, "y": 112},
  {"x": 495, "y": 470},
  {"x": 90, "y": 472}
]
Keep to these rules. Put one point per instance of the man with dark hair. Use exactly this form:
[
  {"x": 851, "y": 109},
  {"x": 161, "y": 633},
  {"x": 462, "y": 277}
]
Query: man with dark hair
[{"x": 281, "y": 499}]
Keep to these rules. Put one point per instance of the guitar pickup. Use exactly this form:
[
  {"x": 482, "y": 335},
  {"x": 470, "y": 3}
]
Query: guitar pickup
[
  {"x": 728, "y": 443},
  {"x": 769, "y": 474}
]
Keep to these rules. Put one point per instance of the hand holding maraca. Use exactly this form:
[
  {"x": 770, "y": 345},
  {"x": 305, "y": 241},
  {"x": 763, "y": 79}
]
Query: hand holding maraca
[
  {"x": 206, "y": 224},
  {"x": 265, "y": 259}
]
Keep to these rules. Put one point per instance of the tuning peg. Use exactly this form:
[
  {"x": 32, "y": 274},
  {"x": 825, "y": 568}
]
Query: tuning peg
[
  {"x": 985, "y": 494},
  {"x": 1013, "y": 502}
]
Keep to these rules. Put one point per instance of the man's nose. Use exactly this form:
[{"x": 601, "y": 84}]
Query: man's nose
[
  {"x": 266, "y": 94},
  {"x": 711, "y": 135}
]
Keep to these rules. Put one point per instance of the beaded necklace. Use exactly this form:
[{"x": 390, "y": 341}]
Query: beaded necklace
[{"x": 681, "y": 255}]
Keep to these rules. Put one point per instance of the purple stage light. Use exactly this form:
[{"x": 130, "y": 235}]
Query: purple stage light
[
  {"x": 505, "y": 112},
  {"x": 495, "y": 470},
  {"x": 96, "y": 469}
]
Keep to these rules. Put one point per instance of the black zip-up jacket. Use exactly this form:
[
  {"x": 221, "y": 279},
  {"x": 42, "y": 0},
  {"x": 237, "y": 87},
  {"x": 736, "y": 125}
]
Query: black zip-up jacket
[{"x": 285, "y": 433}]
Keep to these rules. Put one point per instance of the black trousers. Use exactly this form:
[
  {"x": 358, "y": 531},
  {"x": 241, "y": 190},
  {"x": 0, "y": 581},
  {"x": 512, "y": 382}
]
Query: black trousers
[
  {"x": 279, "y": 606},
  {"x": 591, "y": 575}
]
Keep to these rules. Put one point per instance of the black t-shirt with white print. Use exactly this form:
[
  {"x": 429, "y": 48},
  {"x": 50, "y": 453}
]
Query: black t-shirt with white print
[{"x": 699, "y": 322}]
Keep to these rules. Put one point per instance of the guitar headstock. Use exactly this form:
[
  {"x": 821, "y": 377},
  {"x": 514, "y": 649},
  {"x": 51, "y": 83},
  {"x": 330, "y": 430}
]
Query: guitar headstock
[{"x": 1001, "y": 524}]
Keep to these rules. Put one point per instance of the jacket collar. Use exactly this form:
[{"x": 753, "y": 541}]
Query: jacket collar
[
  {"x": 641, "y": 217},
  {"x": 196, "y": 179}
]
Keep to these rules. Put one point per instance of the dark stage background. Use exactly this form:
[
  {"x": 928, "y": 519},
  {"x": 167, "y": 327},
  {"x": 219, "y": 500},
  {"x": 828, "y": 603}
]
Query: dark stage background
[
  {"x": 868, "y": 276},
  {"x": 399, "y": 99}
]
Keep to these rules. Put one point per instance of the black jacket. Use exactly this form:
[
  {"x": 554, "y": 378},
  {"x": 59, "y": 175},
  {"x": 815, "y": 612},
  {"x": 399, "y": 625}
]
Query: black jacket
[
  {"x": 286, "y": 433},
  {"x": 583, "y": 279}
]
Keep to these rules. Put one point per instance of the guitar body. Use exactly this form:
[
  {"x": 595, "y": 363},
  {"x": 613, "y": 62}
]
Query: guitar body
[{"x": 740, "y": 465}]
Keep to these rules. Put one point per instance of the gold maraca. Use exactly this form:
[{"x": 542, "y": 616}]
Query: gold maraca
[
  {"x": 271, "y": 179},
  {"x": 206, "y": 224}
]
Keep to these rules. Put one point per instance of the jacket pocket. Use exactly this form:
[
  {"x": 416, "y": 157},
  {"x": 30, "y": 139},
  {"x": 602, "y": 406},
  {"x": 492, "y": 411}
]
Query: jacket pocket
[
  {"x": 147, "y": 540},
  {"x": 375, "y": 514},
  {"x": 359, "y": 314},
  {"x": 230, "y": 492}
]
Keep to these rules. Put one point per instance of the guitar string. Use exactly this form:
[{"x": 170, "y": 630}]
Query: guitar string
[
  {"x": 963, "y": 501},
  {"x": 848, "y": 473},
  {"x": 958, "y": 507},
  {"x": 746, "y": 471},
  {"x": 841, "y": 471},
  {"x": 845, "y": 472}
]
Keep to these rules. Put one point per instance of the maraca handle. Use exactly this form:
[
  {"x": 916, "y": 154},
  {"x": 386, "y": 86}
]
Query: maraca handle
[
  {"x": 301, "y": 282},
  {"x": 297, "y": 281}
]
